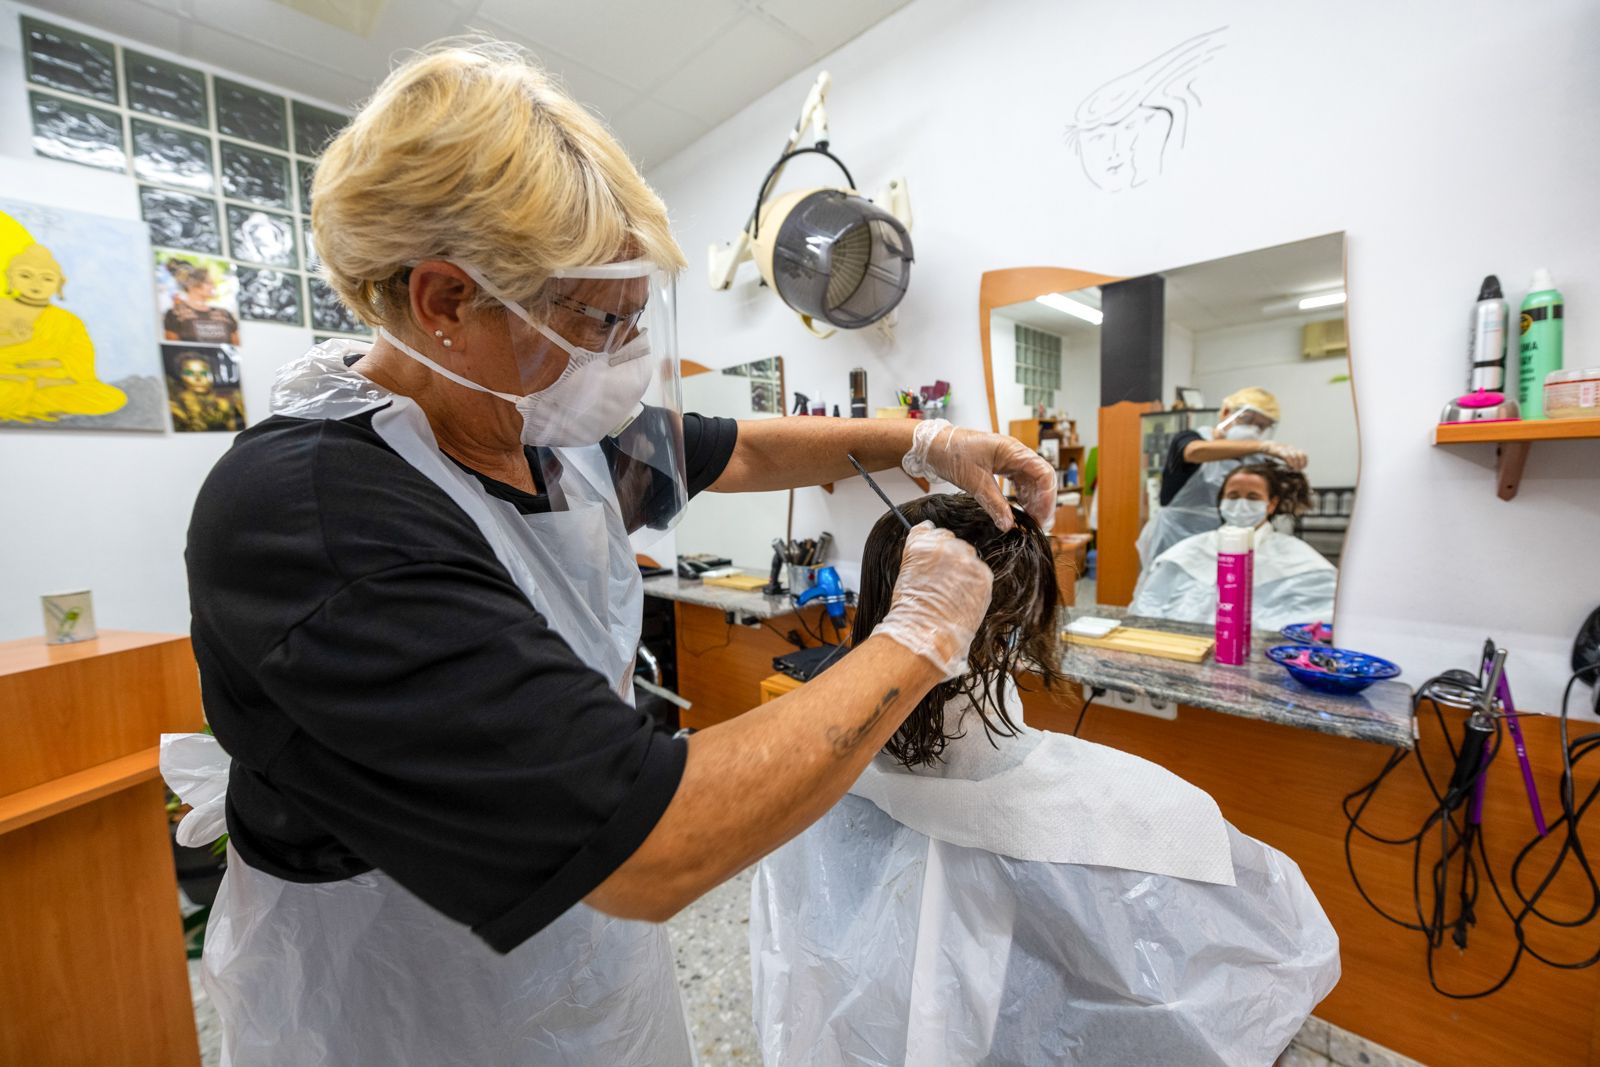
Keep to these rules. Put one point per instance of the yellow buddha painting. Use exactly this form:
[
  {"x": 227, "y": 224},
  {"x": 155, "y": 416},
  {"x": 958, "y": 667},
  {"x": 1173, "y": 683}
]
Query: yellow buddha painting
[{"x": 46, "y": 356}]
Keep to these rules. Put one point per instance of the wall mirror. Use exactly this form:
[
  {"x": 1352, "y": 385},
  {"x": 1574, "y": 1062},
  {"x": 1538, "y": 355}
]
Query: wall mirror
[
  {"x": 738, "y": 526},
  {"x": 1133, "y": 387}
]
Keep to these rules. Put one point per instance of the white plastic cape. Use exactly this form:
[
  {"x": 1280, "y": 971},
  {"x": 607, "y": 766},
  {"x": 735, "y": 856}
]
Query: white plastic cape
[
  {"x": 876, "y": 943},
  {"x": 1293, "y": 582},
  {"x": 361, "y": 971},
  {"x": 1192, "y": 510}
]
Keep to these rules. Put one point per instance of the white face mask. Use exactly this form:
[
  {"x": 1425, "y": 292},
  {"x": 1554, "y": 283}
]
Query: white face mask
[
  {"x": 1241, "y": 512},
  {"x": 597, "y": 394},
  {"x": 1243, "y": 431}
]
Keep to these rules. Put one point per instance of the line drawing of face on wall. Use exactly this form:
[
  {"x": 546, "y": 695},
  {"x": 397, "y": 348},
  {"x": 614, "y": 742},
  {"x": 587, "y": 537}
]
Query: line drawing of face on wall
[{"x": 1123, "y": 129}]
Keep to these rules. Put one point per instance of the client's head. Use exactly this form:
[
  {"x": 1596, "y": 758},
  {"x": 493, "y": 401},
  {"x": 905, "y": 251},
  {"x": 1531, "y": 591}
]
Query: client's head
[
  {"x": 1018, "y": 631},
  {"x": 1255, "y": 492}
]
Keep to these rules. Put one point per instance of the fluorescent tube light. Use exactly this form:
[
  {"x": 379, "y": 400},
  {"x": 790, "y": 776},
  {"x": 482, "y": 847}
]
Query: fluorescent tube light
[
  {"x": 1071, "y": 307},
  {"x": 1326, "y": 300}
]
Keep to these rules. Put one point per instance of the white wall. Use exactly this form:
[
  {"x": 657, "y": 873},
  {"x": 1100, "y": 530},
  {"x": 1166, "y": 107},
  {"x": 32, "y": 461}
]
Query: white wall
[
  {"x": 1318, "y": 412},
  {"x": 1080, "y": 383},
  {"x": 1403, "y": 125},
  {"x": 103, "y": 510},
  {"x": 737, "y": 526}
]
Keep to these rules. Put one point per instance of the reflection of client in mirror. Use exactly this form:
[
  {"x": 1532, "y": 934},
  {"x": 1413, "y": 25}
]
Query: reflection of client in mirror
[
  {"x": 46, "y": 356},
  {"x": 1293, "y": 583},
  {"x": 997, "y": 857}
]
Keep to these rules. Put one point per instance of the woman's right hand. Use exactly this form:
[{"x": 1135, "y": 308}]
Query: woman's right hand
[
  {"x": 1290, "y": 456},
  {"x": 939, "y": 599}
]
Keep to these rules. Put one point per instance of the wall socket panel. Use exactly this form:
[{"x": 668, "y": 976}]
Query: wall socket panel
[{"x": 1129, "y": 700}]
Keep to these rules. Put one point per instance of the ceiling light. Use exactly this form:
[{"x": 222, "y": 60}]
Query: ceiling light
[
  {"x": 1326, "y": 300},
  {"x": 1072, "y": 307}
]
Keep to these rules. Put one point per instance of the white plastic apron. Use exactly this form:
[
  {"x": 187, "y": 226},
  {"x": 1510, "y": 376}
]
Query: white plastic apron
[
  {"x": 1193, "y": 508},
  {"x": 905, "y": 929},
  {"x": 360, "y": 971},
  {"x": 1293, "y": 582}
]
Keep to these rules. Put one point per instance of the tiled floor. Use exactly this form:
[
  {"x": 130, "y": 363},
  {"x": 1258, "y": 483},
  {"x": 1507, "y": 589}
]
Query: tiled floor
[{"x": 711, "y": 940}]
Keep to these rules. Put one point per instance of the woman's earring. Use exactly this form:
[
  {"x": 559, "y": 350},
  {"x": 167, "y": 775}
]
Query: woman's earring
[{"x": 440, "y": 334}]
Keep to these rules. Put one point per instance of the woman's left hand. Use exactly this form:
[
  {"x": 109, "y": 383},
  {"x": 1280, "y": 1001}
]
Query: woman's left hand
[{"x": 971, "y": 459}]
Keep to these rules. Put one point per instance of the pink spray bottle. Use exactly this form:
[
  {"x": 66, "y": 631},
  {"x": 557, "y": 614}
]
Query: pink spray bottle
[{"x": 1235, "y": 588}]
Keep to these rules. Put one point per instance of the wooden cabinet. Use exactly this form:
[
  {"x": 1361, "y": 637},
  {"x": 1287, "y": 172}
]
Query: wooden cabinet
[{"x": 92, "y": 965}]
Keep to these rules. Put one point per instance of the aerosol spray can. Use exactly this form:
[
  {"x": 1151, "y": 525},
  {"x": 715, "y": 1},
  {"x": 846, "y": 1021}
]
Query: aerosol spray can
[
  {"x": 1542, "y": 314},
  {"x": 1486, "y": 347},
  {"x": 1235, "y": 593}
]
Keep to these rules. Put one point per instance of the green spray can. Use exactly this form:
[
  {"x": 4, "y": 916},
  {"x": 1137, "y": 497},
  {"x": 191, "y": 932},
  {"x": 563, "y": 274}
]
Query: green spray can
[{"x": 1541, "y": 341}]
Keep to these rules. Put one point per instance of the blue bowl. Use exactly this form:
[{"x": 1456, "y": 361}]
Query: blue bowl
[
  {"x": 1301, "y": 633},
  {"x": 1332, "y": 670}
]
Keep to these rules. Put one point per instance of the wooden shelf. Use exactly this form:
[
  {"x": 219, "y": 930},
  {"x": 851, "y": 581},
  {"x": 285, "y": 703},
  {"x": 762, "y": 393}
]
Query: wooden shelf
[
  {"x": 1514, "y": 440},
  {"x": 1502, "y": 432},
  {"x": 28, "y": 806}
]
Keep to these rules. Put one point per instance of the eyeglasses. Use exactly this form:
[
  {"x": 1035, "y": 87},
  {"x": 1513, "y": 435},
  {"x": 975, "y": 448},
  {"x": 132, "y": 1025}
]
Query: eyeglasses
[{"x": 603, "y": 327}]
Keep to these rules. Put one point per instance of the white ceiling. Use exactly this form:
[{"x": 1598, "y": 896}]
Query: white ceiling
[
  {"x": 660, "y": 73},
  {"x": 1224, "y": 292}
]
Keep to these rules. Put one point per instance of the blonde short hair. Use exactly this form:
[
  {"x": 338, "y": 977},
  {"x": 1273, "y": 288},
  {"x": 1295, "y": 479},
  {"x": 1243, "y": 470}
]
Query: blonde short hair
[
  {"x": 468, "y": 150},
  {"x": 1252, "y": 397}
]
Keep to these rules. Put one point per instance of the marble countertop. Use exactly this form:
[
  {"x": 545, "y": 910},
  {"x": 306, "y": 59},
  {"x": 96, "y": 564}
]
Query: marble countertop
[
  {"x": 755, "y": 603},
  {"x": 1259, "y": 689}
]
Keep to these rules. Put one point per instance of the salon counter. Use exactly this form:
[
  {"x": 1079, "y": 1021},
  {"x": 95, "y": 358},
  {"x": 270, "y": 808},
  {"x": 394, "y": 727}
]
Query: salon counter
[
  {"x": 752, "y": 603},
  {"x": 1258, "y": 689}
]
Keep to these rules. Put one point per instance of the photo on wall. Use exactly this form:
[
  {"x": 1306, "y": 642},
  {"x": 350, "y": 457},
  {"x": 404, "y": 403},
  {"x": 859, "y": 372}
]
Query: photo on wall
[
  {"x": 329, "y": 314},
  {"x": 198, "y": 297},
  {"x": 77, "y": 133},
  {"x": 203, "y": 388},
  {"x": 179, "y": 220},
  {"x": 75, "y": 351},
  {"x": 270, "y": 296}
]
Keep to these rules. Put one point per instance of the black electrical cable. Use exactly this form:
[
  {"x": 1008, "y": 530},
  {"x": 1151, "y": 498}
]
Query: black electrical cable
[
  {"x": 815, "y": 635},
  {"x": 1469, "y": 839},
  {"x": 821, "y": 149},
  {"x": 1095, "y": 693}
]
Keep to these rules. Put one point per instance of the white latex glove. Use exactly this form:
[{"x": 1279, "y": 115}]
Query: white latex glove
[
  {"x": 972, "y": 458},
  {"x": 939, "y": 598},
  {"x": 1292, "y": 457}
]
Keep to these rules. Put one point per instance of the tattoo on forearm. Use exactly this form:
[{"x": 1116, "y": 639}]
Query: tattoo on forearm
[{"x": 846, "y": 741}]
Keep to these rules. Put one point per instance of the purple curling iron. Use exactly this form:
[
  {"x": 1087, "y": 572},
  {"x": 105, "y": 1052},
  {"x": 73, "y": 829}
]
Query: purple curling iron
[{"x": 1503, "y": 693}]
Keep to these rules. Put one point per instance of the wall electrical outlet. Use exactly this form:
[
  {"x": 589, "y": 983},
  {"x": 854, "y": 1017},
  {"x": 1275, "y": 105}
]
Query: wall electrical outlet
[{"x": 1143, "y": 703}]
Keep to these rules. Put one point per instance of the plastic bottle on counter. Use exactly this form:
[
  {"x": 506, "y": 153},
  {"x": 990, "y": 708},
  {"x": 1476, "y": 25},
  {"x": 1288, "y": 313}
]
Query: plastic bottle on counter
[
  {"x": 1235, "y": 592},
  {"x": 1072, "y": 472}
]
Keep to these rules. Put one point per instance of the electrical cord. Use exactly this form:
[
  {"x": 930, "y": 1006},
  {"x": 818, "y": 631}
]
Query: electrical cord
[
  {"x": 821, "y": 149},
  {"x": 815, "y": 635},
  {"x": 1470, "y": 849},
  {"x": 1095, "y": 693}
]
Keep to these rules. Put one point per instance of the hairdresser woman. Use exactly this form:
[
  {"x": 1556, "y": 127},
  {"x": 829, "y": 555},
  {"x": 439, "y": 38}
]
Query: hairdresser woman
[{"x": 416, "y": 609}]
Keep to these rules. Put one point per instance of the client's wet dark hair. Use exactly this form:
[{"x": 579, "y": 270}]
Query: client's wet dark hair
[
  {"x": 1017, "y": 633},
  {"x": 1290, "y": 487}
]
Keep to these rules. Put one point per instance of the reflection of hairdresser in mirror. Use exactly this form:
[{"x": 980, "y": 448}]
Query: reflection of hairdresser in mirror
[
  {"x": 1198, "y": 460},
  {"x": 1293, "y": 583},
  {"x": 994, "y": 893}
]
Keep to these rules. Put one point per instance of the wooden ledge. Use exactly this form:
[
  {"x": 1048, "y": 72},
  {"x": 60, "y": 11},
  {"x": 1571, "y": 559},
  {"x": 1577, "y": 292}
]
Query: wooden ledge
[{"x": 28, "y": 806}]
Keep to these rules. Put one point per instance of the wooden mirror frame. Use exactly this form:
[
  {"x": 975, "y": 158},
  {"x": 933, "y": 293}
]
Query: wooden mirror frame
[{"x": 997, "y": 288}]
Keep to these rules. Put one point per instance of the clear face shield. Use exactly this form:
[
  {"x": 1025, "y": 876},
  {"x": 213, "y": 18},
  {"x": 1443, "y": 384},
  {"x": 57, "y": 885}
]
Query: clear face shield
[
  {"x": 595, "y": 362},
  {"x": 1248, "y": 423}
]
